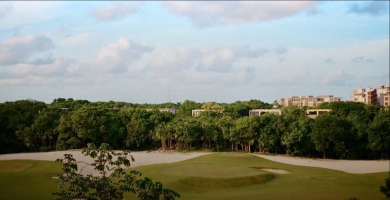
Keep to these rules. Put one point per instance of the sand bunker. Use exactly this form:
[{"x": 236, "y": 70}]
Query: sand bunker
[
  {"x": 141, "y": 158},
  {"x": 277, "y": 171},
  {"x": 349, "y": 166}
]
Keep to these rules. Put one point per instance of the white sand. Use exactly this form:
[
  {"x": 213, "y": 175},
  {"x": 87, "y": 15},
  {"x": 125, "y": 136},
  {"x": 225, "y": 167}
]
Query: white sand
[
  {"x": 277, "y": 171},
  {"x": 159, "y": 157},
  {"x": 349, "y": 166},
  {"x": 141, "y": 158}
]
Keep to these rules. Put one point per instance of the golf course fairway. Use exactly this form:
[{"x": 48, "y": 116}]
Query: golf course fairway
[{"x": 213, "y": 176}]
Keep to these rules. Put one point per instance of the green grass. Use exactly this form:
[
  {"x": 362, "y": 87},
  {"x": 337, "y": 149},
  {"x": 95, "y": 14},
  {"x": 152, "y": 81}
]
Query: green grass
[
  {"x": 302, "y": 183},
  {"x": 27, "y": 179},
  {"x": 227, "y": 182},
  {"x": 213, "y": 176}
]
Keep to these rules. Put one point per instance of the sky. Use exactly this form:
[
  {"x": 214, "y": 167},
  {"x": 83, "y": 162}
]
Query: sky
[{"x": 162, "y": 51}]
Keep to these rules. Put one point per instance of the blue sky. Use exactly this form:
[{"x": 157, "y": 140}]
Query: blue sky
[{"x": 154, "y": 52}]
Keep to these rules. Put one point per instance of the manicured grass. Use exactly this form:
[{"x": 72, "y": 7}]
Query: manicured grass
[
  {"x": 25, "y": 179},
  {"x": 227, "y": 182},
  {"x": 302, "y": 183}
]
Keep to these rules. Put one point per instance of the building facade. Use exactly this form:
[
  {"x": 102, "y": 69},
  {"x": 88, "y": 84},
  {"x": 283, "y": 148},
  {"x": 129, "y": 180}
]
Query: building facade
[
  {"x": 379, "y": 95},
  {"x": 313, "y": 113},
  {"x": 259, "y": 112},
  {"x": 196, "y": 112},
  {"x": 309, "y": 101}
]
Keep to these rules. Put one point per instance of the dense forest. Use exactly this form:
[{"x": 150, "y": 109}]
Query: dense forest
[{"x": 351, "y": 131}]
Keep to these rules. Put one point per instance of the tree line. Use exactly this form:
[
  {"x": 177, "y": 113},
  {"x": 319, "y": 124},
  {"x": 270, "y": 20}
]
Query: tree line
[{"x": 351, "y": 131}]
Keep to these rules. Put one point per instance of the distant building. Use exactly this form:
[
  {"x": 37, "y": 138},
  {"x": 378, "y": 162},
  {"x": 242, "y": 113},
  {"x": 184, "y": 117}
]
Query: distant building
[
  {"x": 309, "y": 101},
  {"x": 313, "y": 113},
  {"x": 379, "y": 95},
  {"x": 171, "y": 110},
  {"x": 383, "y": 95},
  {"x": 196, "y": 112},
  {"x": 259, "y": 112}
]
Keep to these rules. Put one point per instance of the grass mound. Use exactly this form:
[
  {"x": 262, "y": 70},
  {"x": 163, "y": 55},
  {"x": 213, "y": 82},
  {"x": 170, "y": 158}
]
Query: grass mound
[
  {"x": 210, "y": 170},
  {"x": 227, "y": 182}
]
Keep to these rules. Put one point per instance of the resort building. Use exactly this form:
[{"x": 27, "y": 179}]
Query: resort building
[
  {"x": 309, "y": 101},
  {"x": 379, "y": 95},
  {"x": 259, "y": 112},
  {"x": 196, "y": 112},
  {"x": 313, "y": 113},
  {"x": 171, "y": 110}
]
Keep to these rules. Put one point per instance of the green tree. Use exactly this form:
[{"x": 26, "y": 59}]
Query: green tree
[
  {"x": 295, "y": 131},
  {"x": 187, "y": 130},
  {"x": 248, "y": 129},
  {"x": 210, "y": 132},
  {"x": 106, "y": 186},
  {"x": 330, "y": 135},
  {"x": 378, "y": 136},
  {"x": 164, "y": 133},
  {"x": 185, "y": 109},
  {"x": 385, "y": 189},
  {"x": 226, "y": 127},
  {"x": 269, "y": 136}
]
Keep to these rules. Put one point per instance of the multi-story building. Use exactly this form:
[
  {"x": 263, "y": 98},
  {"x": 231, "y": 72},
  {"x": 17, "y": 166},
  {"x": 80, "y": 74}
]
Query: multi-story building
[
  {"x": 171, "y": 110},
  {"x": 309, "y": 101},
  {"x": 379, "y": 95},
  {"x": 259, "y": 112},
  {"x": 196, "y": 112},
  {"x": 313, "y": 113},
  {"x": 383, "y": 95}
]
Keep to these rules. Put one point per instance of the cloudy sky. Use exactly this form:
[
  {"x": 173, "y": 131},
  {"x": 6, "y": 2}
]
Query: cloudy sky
[{"x": 155, "y": 52}]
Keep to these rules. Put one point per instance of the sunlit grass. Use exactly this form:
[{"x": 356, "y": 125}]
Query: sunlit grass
[{"x": 213, "y": 176}]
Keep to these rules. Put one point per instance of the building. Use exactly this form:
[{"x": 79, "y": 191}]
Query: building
[
  {"x": 379, "y": 95},
  {"x": 171, "y": 110},
  {"x": 313, "y": 113},
  {"x": 196, "y": 112},
  {"x": 309, "y": 101},
  {"x": 383, "y": 95},
  {"x": 259, "y": 112}
]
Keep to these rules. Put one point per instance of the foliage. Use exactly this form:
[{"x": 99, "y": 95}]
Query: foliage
[
  {"x": 29, "y": 125},
  {"x": 330, "y": 134},
  {"x": 74, "y": 185},
  {"x": 385, "y": 189},
  {"x": 378, "y": 136}
]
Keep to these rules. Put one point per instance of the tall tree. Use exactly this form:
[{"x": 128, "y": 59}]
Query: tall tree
[
  {"x": 269, "y": 135},
  {"x": 296, "y": 131},
  {"x": 248, "y": 131},
  {"x": 378, "y": 136},
  {"x": 330, "y": 135}
]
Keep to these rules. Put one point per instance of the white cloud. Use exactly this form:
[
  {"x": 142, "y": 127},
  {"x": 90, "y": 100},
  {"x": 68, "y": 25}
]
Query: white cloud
[
  {"x": 207, "y": 13},
  {"x": 173, "y": 60},
  {"x": 116, "y": 57},
  {"x": 18, "y": 49},
  {"x": 219, "y": 59},
  {"x": 37, "y": 74},
  {"x": 28, "y": 12},
  {"x": 115, "y": 11},
  {"x": 337, "y": 77}
]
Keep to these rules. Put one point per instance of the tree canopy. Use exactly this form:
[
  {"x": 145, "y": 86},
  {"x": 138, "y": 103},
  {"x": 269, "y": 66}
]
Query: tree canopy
[{"x": 351, "y": 130}]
